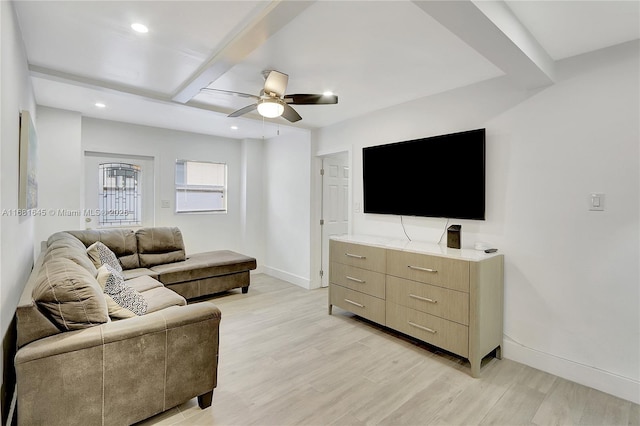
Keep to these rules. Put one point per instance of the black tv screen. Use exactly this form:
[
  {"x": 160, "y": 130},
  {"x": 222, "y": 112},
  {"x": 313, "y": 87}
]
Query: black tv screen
[{"x": 440, "y": 176}]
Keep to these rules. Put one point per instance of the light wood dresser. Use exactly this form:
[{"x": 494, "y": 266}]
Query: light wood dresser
[{"x": 449, "y": 298}]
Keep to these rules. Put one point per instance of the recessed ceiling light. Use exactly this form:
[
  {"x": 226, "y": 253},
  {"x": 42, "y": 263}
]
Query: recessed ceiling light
[
  {"x": 327, "y": 93},
  {"x": 234, "y": 127},
  {"x": 141, "y": 28},
  {"x": 100, "y": 105}
]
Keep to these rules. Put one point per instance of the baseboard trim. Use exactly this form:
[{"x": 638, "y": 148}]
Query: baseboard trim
[
  {"x": 288, "y": 277},
  {"x": 619, "y": 386}
]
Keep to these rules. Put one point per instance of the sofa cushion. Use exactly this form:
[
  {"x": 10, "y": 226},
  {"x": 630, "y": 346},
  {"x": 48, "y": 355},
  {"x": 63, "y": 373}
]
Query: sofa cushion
[
  {"x": 70, "y": 250},
  {"x": 157, "y": 246},
  {"x": 130, "y": 274},
  {"x": 123, "y": 294},
  {"x": 69, "y": 295},
  {"x": 67, "y": 238},
  {"x": 143, "y": 283},
  {"x": 122, "y": 242},
  {"x": 161, "y": 297},
  {"x": 204, "y": 265},
  {"x": 100, "y": 255}
]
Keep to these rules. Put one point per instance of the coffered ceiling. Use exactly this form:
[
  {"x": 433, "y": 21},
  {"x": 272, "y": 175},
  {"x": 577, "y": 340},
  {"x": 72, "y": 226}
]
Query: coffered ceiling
[{"x": 372, "y": 54}]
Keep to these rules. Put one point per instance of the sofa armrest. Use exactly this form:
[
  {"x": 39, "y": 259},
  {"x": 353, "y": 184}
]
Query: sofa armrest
[
  {"x": 118, "y": 330},
  {"x": 120, "y": 372}
]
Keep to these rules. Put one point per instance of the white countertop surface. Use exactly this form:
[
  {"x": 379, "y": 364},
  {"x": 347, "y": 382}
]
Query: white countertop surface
[{"x": 416, "y": 247}]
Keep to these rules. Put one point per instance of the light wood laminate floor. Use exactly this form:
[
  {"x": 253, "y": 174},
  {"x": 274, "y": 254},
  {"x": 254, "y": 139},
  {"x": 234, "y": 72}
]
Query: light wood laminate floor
[{"x": 285, "y": 361}]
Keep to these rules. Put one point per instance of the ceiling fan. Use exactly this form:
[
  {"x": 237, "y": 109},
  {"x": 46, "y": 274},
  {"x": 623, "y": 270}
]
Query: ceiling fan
[{"x": 272, "y": 101}]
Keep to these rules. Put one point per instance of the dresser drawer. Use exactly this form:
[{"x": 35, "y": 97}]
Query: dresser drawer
[
  {"x": 361, "y": 304},
  {"x": 447, "y": 335},
  {"x": 440, "y": 271},
  {"x": 361, "y": 256},
  {"x": 448, "y": 304},
  {"x": 362, "y": 280}
]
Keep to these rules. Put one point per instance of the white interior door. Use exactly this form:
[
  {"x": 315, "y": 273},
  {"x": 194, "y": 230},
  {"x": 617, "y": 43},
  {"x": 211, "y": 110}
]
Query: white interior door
[
  {"x": 92, "y": 190},
  {"x": 335, "y": 204}
]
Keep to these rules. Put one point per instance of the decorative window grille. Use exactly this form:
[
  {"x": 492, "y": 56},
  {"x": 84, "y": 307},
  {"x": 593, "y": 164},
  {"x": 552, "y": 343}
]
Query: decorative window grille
[
  {"x": 201, "y": 186},
  {"x": 120, "y": 199}
]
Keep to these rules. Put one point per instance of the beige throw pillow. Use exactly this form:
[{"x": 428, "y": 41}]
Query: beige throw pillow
[{"x": 70, "y": 295}]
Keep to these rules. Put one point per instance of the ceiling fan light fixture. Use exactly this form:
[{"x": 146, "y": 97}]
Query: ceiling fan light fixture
[{"x": 270, "y": 108}]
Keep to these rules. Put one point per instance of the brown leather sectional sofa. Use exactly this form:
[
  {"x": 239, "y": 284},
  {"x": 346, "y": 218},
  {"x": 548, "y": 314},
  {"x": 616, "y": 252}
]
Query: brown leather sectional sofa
[{"x": 77, "y": 365}]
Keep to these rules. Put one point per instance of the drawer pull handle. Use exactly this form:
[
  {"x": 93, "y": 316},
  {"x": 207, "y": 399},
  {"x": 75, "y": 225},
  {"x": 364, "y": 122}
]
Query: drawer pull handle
[
  {"x": 424, "y": 299},
  {"x": 413, "y": 324},
  {"x": 354, "y": 303},
  {"x": 355, "y": 279},
  {"x": 357, "y": 256},
  {"x": 422, "y": 269}
]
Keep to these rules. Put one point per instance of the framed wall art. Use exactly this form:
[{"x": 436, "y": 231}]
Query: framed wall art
[{"x": 28, "y": 192}]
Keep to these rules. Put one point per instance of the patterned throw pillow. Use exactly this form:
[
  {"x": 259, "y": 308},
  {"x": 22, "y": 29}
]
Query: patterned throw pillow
[
  {"x": 101, "y": 254},
  {"x": 116, "y": 311},
  {"x": 124, "y": 295}
]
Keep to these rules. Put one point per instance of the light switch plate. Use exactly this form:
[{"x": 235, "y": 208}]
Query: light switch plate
[
  {"x": 596, "y": 201},
  {"x": 165, "y": 204}
]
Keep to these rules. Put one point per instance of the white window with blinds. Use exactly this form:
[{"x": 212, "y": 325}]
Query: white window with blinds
[{"x": 201, "y": 187}]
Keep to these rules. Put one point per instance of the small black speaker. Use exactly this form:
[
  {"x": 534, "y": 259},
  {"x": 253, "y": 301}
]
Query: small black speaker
[{"x": 454, "y": 236}]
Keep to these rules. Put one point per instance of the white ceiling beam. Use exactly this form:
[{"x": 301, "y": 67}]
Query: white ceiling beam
[
  {"x": 93, "y": 83},
  {"x": 492, "y": 29},
  {"x": 240, "y": 44},
  {"x": 110, "y": 87}
]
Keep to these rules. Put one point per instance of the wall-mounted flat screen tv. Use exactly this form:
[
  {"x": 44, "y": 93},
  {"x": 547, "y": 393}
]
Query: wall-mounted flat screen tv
[{"x": 439, "y": 176}]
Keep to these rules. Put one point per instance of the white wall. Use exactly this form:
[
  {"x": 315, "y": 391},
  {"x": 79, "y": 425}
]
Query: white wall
[
  {"x": 268, "y": 187},
  {"x": 572, "y": 278},
  {"x": 252, "y": 199},
  {"x": 16, "y": 248},
  {"x": 201, "y": 232},
  {"x": 287, "y": 207},
  {"x": 60, "y": 150}
]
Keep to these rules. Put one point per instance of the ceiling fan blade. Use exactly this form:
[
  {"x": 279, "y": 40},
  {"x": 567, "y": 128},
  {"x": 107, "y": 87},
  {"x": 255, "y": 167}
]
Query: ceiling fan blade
[
  {"x": 243, "y": 111},
  {"x": 228, "y": 92},
  {"x": 291, "y": 114},
  {"x": 306, "y": 99},
  {"x": 276, "y": 83}
]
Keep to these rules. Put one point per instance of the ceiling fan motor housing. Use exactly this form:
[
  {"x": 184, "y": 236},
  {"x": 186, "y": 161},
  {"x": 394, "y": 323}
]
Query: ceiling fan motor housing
[{"x": 276, "y": 83}]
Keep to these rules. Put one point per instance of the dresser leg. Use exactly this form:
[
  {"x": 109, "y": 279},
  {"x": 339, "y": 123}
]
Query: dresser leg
[{"x": 475, "y": 368}]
